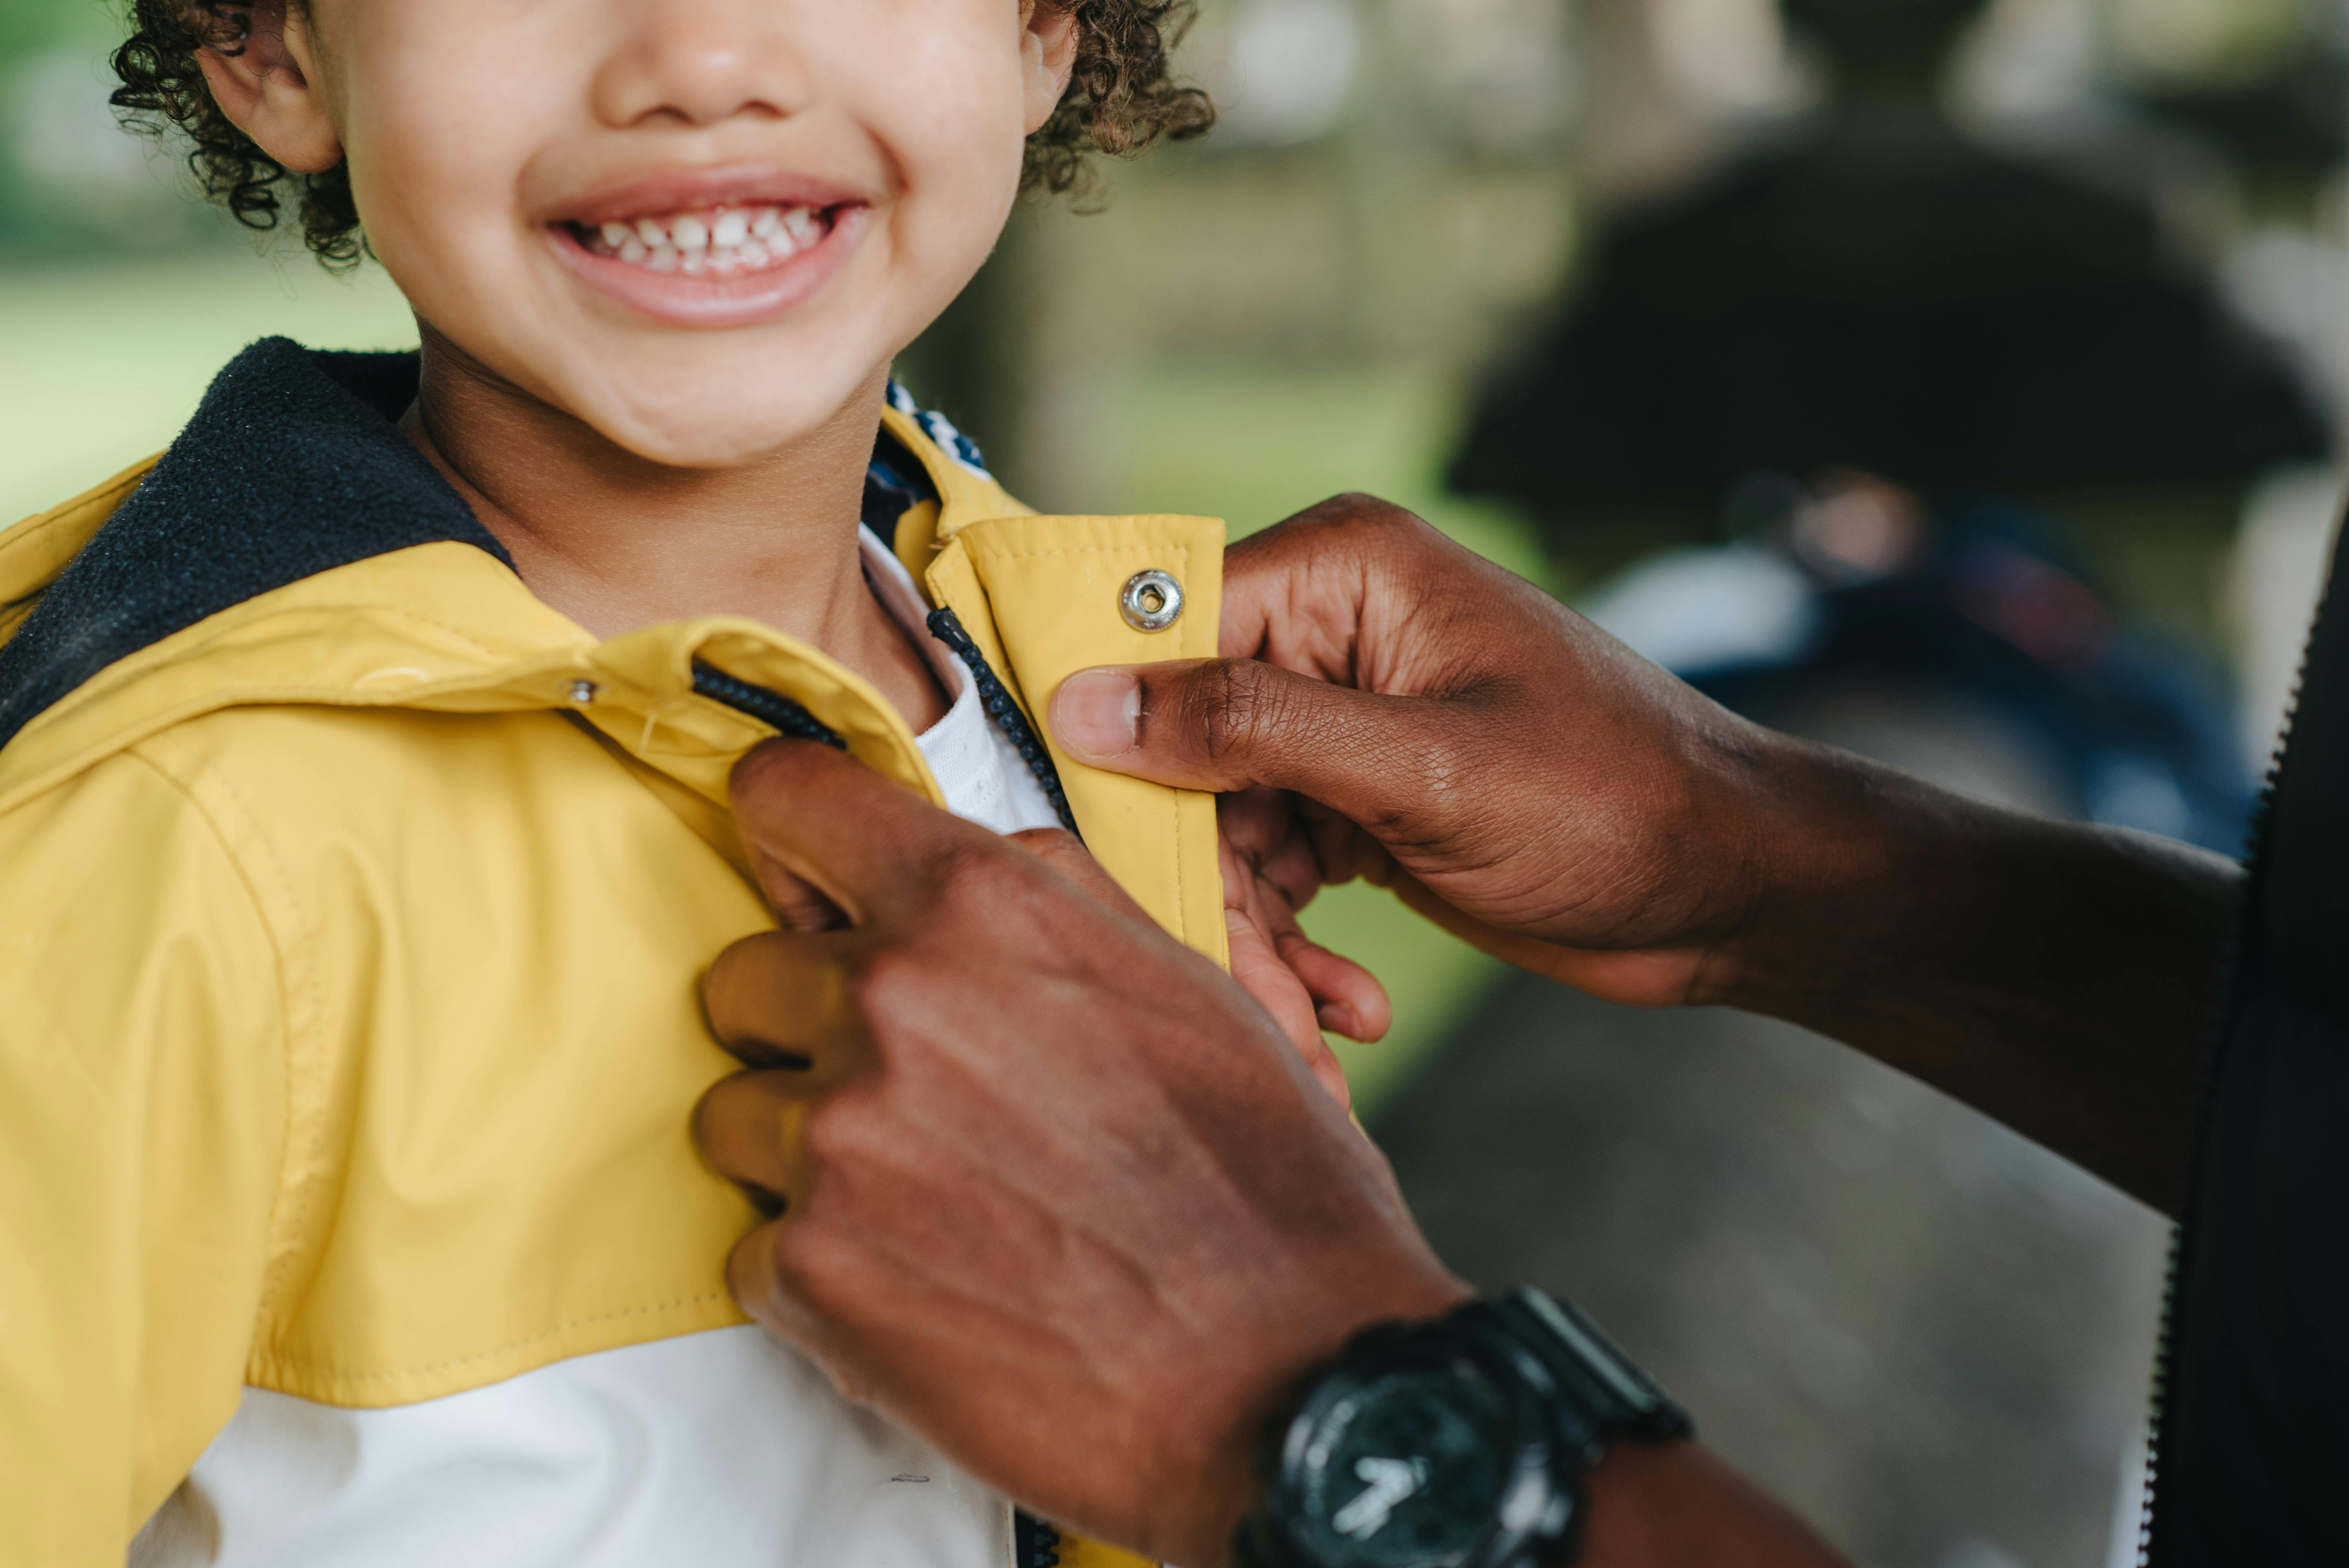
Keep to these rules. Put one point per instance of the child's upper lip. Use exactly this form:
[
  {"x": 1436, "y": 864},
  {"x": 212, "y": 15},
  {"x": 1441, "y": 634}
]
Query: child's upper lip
[{"x": 692, "y": 190}]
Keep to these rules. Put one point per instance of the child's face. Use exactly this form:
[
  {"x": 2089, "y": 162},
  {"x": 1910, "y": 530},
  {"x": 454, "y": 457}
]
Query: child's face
[{"x": 700, "y": 226}]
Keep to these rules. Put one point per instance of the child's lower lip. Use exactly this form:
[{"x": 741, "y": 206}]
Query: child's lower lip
[{"x": 712, "y": 300}]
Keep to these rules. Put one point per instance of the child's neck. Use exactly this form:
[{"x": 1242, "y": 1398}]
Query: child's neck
[{"x": 617, "y": 542}]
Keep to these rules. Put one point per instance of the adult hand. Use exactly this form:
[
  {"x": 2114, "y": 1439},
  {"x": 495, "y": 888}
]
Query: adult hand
[
  {"x": 1058, "y": 1194},
  {"x": 1390, "y": 705}
]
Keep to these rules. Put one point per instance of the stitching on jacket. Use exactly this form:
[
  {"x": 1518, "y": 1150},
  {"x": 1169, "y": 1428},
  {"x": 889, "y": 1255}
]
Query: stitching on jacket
[
  {"x": 304, "y": 1196},
  {"x": 1128, "y": 549},
  {"x": 409, "y": 1374},
  {"x": 338, "y": 696},
  {"x": 280, "y": 1206},
  {"x": 470, "y": 641},
  {"x": 1183, "y": 556},
  {"x": 366, "y": 607},
  {"x": 1182, "y": 904}
]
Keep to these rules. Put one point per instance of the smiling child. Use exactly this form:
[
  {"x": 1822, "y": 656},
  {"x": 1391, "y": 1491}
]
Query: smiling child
[{"x": 363, "y": 766}]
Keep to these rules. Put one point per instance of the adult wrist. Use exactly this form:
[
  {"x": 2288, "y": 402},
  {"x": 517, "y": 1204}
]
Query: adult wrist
[
  {"x": 1228, "y": 1458},
  {"x": 1833, "y": 844},
  {"x": 1467, "y": 1441}
]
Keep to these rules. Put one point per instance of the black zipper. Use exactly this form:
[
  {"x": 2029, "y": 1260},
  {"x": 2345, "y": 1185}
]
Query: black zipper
[
  {"x": 1034, "y": 1544},
  {"x": 2164, "y": 1352},
  {"x": 2223, "y": 1008},
  {"x": 947, "y": 628}
]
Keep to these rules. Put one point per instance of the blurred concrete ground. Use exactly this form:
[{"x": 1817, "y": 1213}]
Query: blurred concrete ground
[{"x": 1931, "y": 1336}]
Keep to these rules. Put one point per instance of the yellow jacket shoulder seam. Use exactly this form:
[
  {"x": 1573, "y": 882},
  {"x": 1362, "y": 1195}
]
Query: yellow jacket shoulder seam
[
  {"x": 289, "y": 1209},
  {"x": 410, "y": 1374}
]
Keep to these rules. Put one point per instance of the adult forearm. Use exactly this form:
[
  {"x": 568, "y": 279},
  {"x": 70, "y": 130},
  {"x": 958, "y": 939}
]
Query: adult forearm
[
  {"x": 2054, "y": 976},
  {"x": 1532, "y": 785},
  {"x": 1680, "y": 1507}
]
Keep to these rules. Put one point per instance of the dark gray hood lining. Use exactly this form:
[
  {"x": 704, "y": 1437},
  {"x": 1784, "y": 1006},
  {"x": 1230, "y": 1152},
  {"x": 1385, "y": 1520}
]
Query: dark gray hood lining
[{"x": 291, "y": 467}]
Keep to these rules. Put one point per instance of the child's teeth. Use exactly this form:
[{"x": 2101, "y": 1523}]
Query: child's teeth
[{"x": 726, "y": 241}]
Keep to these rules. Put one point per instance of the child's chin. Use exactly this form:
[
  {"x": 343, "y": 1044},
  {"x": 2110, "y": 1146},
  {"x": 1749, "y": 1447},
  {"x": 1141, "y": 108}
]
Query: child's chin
[{"x": 707, "y": 439}]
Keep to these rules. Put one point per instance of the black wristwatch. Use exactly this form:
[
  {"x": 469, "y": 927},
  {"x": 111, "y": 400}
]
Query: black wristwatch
[{"x": 1460, "y": 1443}]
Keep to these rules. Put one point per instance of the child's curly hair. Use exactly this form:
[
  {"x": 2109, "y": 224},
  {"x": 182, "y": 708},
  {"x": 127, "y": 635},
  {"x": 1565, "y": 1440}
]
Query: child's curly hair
[{"x": 1121, "y": 98}]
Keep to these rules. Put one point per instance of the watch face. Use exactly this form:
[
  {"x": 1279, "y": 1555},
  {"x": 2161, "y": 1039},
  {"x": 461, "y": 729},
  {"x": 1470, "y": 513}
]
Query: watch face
[{"x": 1405, "y": 1468}]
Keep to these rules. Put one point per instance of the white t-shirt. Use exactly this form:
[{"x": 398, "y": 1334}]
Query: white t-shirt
[
  {"x": 716, "y": 1449},
  {"x": 979, "y": 770}
]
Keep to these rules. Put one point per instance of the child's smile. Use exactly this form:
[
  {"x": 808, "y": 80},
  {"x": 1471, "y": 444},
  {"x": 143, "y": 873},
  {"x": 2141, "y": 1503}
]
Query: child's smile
[
  {"x": 713, "y": 248},
  {"x": 699, "y": 228}
]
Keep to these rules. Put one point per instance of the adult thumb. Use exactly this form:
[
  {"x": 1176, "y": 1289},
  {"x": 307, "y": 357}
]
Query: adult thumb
[{"x": 1223, "y": 724}]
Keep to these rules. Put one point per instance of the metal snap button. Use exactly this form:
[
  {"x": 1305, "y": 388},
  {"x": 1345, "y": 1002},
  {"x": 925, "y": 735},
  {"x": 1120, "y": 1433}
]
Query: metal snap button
[{"x": 1151, "y": 601}]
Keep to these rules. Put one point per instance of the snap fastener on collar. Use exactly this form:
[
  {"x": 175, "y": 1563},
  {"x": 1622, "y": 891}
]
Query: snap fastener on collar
[{"x": 1151, "y": 601}]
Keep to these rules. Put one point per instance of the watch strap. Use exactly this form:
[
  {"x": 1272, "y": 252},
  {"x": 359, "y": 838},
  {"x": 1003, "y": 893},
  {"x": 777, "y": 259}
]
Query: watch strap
[
  {"x": 1576, "y": 1391},
  {"x": 1601, "y": 1393}
]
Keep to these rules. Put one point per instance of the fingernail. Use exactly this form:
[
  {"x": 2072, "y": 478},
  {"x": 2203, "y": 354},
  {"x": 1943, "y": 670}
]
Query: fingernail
[{"x": 1096, "y": 713}]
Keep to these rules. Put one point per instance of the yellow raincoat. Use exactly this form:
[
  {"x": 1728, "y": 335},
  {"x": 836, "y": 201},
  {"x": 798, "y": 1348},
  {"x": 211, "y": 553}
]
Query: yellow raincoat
[{"x": 353, "y": 904}]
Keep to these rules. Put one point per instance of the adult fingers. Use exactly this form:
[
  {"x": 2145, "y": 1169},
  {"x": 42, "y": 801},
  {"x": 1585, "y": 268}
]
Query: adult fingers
[
  {"x": 1304, "y": 593},
  {"x": 1257, "y": 966},
  {"x": 750, "y": 1125},
  {"x": 814, "y": 816},
  {"x": 1227, "y": 724},
  {"x": 780, "y": 999},
  {"x": 798, "y": 904},
  {"x": 1285, "y": 965},
  {"x": 764, "y": 1284},
  {"x": 1348, "y": 999}
]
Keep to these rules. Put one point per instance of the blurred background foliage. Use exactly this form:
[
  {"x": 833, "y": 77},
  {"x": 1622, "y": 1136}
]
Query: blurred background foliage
[{"x": 1956, "y": 381}]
